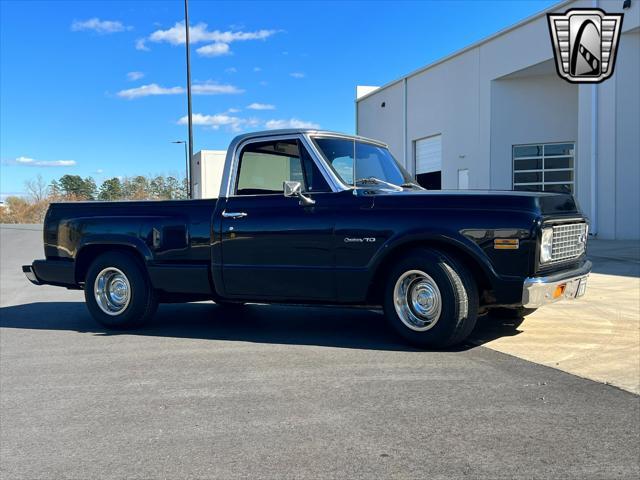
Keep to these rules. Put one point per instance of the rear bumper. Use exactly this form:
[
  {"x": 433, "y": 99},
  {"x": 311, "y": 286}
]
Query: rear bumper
[
  {"x": 30, "y": 274},
  {"x": 51, "y": 272},
  {"x": 539, "y": 291}
]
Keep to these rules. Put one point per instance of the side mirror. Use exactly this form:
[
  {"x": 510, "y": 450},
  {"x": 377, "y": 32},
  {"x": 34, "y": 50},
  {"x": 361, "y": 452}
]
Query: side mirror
[{"x": 294, "y": 189}]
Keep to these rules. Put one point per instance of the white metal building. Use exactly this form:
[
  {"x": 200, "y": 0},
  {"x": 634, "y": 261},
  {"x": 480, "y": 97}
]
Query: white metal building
[
  {"x": 206, "y": 173},
  {"x": 496, "y": 115}
]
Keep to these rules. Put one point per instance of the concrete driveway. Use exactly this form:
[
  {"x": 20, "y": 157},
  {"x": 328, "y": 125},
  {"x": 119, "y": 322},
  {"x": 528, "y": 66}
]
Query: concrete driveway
[
  {"x": 283, "y": 392},
  {"x": 597, "y": 337}
]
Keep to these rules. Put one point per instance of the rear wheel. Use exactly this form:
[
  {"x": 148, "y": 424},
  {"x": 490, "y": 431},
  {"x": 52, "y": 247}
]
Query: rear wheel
[
  {"x": 431, "y": 300},
  {"x": 117, "y": 291}
]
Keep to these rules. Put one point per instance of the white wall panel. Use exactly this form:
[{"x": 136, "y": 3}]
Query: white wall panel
[{"x": 501, "y": 92}]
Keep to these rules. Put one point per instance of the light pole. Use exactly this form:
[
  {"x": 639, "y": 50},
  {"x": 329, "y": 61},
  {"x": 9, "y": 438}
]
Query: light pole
[
  {"x": 190, "y": 121},
  {"x": 186, "y": 164}
]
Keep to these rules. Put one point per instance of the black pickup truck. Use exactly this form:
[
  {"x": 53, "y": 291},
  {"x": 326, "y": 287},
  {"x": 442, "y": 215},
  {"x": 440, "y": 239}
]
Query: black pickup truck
[{"x": 314, "y": 217}]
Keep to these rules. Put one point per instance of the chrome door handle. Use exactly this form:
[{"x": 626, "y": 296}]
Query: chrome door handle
[{"x": 226, "y": 214}]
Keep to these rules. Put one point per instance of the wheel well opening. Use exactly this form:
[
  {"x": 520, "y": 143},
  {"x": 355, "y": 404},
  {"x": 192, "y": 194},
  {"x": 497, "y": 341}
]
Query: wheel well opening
[
  {"x": 377, "y": 285},
  {"x": 88, "y": 254}
]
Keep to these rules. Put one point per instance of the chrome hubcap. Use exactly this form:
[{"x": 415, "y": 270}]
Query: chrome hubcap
[
  {"x": 112, "y": 291},
  {"x": 417, "y": 300}
]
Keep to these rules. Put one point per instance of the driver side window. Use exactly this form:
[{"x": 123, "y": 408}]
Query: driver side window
[{"x": 264, "y": 166}]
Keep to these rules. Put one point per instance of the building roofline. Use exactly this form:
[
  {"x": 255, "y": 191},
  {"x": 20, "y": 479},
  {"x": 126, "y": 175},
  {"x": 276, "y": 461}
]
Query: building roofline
[{"x": 467, "y": 48}]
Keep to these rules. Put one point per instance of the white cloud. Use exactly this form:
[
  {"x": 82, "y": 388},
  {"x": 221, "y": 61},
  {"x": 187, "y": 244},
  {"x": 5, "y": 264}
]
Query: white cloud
[
  {"x": 257, "y": 69},
  {"x": 297, "y": 74},
  {"x": 200, "y": 33},
  {"x": 199, "y": 89},
  {"x": 235, "y": 124},
  {"x": 148, "y": 90},
  {"x": 214, "y": 121},
  {"x": 99, "y": 26},
  {"x": 133, "y": 76},
  {"x": 290, "y": 123},
  {"x": 238, "y": 124},
  {"x": 261, "y": 106},
  {"x": 211, "y": 88},
  {"x": 99, "y": 171},
  {"x": 214, "y": 50},
  {"x": 233, "y": 110},
  {"x": 30, "y": 162},
  {"x": 231, "y": 70},
  {"x": 176, "y": 35},
  {"x": 141, "y": 45}
]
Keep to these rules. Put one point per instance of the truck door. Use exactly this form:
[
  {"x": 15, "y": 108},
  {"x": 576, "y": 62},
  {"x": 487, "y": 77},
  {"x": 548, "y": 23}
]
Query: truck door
[{"x": 272, "y": 246}]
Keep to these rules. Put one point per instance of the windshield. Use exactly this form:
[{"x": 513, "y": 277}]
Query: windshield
[{"x": 373, "y": 164}]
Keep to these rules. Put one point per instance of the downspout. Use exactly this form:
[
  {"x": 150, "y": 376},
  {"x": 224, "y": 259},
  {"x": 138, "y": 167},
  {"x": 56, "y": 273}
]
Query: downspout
[
  {"x": 594, "y": 160},
  {"x": 594, "y": 154},
  {"x": 405, "y": 156},
  {"x": 357, "y": 107}
]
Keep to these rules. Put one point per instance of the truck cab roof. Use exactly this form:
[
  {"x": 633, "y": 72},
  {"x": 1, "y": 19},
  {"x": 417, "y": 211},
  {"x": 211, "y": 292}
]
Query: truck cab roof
[{"x": 299, "y": 131}]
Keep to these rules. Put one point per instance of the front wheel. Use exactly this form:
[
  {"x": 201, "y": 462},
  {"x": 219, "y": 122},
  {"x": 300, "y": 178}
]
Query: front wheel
[
  {"x": 431, "y": 300},
  {"x": 118, "y": 292}
]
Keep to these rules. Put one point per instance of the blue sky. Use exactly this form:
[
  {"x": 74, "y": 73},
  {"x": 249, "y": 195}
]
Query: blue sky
[{"x": 96, "y": 88}]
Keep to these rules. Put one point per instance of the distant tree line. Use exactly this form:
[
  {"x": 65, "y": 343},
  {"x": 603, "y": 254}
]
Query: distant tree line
[
  {"x": 74, "y": 188},
  {"x": 159, "y": 187}
]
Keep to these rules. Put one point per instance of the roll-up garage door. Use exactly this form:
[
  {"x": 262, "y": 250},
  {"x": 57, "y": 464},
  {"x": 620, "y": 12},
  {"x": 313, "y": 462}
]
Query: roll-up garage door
[{"x": 428, "y": 152}]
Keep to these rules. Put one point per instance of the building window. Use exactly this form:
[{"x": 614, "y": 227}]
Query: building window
[
  {"x": 544, "y": 167},
  {"x": 428, "y": 158}
]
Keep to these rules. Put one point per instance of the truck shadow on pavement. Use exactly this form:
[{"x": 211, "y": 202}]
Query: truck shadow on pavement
[
  {"x": 616, "y": 266},
  {"x": 338, "y": 327}
]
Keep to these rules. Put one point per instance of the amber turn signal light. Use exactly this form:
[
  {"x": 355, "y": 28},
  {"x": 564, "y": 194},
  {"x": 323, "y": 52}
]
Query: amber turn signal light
[
  {"x": 559, "y": 291},
  {"x": 506, "y": 244}
]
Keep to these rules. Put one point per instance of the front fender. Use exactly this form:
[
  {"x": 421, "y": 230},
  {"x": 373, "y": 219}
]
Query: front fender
[{"x": 451, "y": 240}]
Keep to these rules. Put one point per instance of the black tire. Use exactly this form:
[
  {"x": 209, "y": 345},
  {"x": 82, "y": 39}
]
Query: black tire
[
  {"x": 142, "y": 303},
  {"x": 504, "y": 313},
  {"x": 457, "y": 289}
]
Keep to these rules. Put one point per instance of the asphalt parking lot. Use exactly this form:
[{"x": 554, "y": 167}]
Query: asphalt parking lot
[{"x": 284, "y": 392}]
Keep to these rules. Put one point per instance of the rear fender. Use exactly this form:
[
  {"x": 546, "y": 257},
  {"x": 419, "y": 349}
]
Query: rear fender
[
  {"x": 127, "y": 241},
  {"x": 91, "y": 247}
]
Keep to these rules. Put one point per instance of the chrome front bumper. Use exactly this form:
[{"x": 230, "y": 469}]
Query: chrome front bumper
[{"x": 539, "y": 291}]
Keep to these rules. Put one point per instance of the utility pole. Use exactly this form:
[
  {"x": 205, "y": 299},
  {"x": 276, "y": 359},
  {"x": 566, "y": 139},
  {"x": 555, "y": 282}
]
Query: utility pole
[{"x": 190, "y": 121}]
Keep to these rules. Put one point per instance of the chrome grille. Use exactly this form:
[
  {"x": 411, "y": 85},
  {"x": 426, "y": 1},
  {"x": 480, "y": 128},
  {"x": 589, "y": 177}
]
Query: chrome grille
[{"x": 569, "y": 241}]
